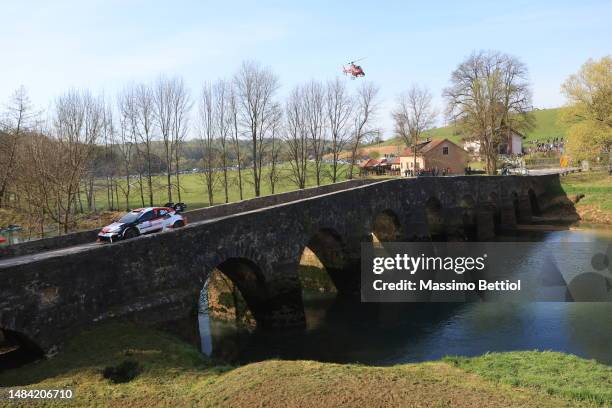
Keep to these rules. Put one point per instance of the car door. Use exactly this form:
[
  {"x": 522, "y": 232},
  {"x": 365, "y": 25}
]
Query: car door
[
  {"x": 157, "y": 223},
  {"x": 144, "y": 223},
  {"x": 164, "y": 216}
]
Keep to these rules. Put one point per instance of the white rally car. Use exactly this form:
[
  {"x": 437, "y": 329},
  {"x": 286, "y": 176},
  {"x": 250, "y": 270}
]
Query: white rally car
[{"x": 144, "y": 221}]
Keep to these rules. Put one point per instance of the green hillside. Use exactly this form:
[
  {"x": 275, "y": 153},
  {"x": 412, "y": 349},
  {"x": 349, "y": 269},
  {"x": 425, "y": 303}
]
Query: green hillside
[{"x": 547, "y": 126}]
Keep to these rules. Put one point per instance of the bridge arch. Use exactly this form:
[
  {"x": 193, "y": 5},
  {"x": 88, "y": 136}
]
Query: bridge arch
[
  {"x": 235, "y": 292},
  {"x": 322, "y": 263},
  {"x": 493, "y": 203},
  {"x": 386, "y": 226},
  {"x": 468, "y": 217},
  {"x": 435, "y": 219},
  {"x": 515, "y": 204},
  {"x": 533, "y": 202},
  {"x": 17, "y": 349}
]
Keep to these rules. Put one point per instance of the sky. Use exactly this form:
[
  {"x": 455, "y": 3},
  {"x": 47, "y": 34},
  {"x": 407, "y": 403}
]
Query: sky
[{"x": 104, "y": 45}]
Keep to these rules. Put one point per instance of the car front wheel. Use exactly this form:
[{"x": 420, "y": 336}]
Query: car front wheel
[
  {"x": 178, "y": 224},
  {"x": 130, "y": 233}
]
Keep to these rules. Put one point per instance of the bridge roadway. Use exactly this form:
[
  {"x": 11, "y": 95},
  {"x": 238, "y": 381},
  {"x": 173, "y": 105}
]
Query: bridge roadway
[
  {"x": 9, "y": 260},
  {"x": 51, "y": 290},
  {"x": 24, "y": 259},
  {"x": 75, "y": 242}
]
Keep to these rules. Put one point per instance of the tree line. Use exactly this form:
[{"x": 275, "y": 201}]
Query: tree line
[{"x": 140, "y": 142}]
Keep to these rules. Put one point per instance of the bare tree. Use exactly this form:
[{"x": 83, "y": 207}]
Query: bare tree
[
  {"x": 207, "y": 138},
  {"x": 145, "y": 121},
  {"x": 233, "y": 121},
  {"x": 275, "y": 147},
  {"x": 38, "y": 180},
  {"x": 255, "y": 87},
  {"x": 364, "y": 113},
  {"x": 78, "y": 123},
  {"x": 412, "y": 115},
  {"x": 339, "y": 112},
  {"x": 296, "y": 136},
  {"x": 127, "y": 138},
  {"x": 314, "y": 104},
  {"x": 141, "y": 169},
  {"x": 163, "y": 111},
  {"x": 130, "y": 113},
  {"x": 223, "y": 125},
  {"x": 181, "y": 107},
  {"x": 489, "y": 95},
  {"x": 18, "y": 119},
  {"x": 32, "y": 187},
  {"x": 108, "y": 137}
]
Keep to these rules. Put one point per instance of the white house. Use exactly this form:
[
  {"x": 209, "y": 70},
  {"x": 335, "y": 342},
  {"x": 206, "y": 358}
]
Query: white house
[{"x": 513, "y": 144}]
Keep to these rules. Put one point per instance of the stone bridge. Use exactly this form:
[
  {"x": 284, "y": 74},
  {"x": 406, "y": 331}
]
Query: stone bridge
[{"x": 48, "y": 296}]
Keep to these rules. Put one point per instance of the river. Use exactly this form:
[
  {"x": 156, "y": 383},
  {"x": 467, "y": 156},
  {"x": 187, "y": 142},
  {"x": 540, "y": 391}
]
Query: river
[{"x": 347, "y": 331}]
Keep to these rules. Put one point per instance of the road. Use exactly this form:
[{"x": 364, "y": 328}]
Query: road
[
  {"x": 17, "y": 260},
  {"x": 542, "y": 172}
]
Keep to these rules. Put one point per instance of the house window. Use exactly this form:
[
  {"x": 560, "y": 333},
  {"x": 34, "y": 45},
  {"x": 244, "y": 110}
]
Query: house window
[{"x": 445, "y": 150}]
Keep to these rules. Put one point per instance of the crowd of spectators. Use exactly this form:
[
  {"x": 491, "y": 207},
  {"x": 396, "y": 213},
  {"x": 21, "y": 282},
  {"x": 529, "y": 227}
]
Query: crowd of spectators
[
  {"x": 428, "y": 172},
  {"x": 554, "y": 145}
]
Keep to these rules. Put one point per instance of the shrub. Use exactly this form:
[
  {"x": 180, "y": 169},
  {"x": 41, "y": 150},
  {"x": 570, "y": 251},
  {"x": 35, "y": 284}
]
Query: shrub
[{"x": 122, "y": 373}]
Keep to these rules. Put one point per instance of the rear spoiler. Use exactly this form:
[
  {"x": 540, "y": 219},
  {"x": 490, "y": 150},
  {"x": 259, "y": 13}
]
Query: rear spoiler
[{"x": 178, "y": 207}]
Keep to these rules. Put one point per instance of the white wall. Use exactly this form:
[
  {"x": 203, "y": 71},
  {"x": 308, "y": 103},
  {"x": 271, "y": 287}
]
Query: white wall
[{"x": 517, "y": 144}]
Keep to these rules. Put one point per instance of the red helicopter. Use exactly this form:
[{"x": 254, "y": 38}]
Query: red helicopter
[{"x": 355, "y": 71}]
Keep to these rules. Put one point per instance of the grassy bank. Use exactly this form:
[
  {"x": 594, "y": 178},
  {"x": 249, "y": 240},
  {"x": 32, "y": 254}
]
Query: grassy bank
[
  {"x": 173, "y": 373},
  {"x": 596, "y": 205},
  {"x": 548, "y": 372}
]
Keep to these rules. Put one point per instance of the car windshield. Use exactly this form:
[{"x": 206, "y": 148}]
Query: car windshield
[{"x": 130, "y": 217}]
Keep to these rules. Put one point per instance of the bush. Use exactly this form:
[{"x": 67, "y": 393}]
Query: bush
[{"x": 122, "y": 373}]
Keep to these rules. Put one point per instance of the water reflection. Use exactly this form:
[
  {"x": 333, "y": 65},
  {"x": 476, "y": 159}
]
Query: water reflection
[
  {"x": 206, "y": 333},
  {"x": 345, "y": 330}
]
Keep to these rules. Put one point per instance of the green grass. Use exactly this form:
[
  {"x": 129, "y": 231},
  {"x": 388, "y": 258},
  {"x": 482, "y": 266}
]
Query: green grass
[
  {"x": 194, "y": 193},
  {"x": 166, "y": 361},
  {"x": 175, "y": 374},
  {"x": 547, "y": 126},
  {"x": 550, "y": 372},
  {"x": 596, "y": 187},
  {"x": 592, "y": 189}
]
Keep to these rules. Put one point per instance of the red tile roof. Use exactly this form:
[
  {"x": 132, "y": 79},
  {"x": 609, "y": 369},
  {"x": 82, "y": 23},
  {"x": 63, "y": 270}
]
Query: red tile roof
[
  {"x": 370, "y": 163},
  {"x": 426, "y": 147},
  {"x": 432, "y": 145}
]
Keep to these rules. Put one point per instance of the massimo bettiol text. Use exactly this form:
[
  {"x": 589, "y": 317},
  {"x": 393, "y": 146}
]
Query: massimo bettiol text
[{"x": 475, "y": 271}]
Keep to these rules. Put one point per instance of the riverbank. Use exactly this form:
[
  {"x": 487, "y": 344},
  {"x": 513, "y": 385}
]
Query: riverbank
[
  {"x": 591, "y": 195},
  {"x": 171, "y": 372}
]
